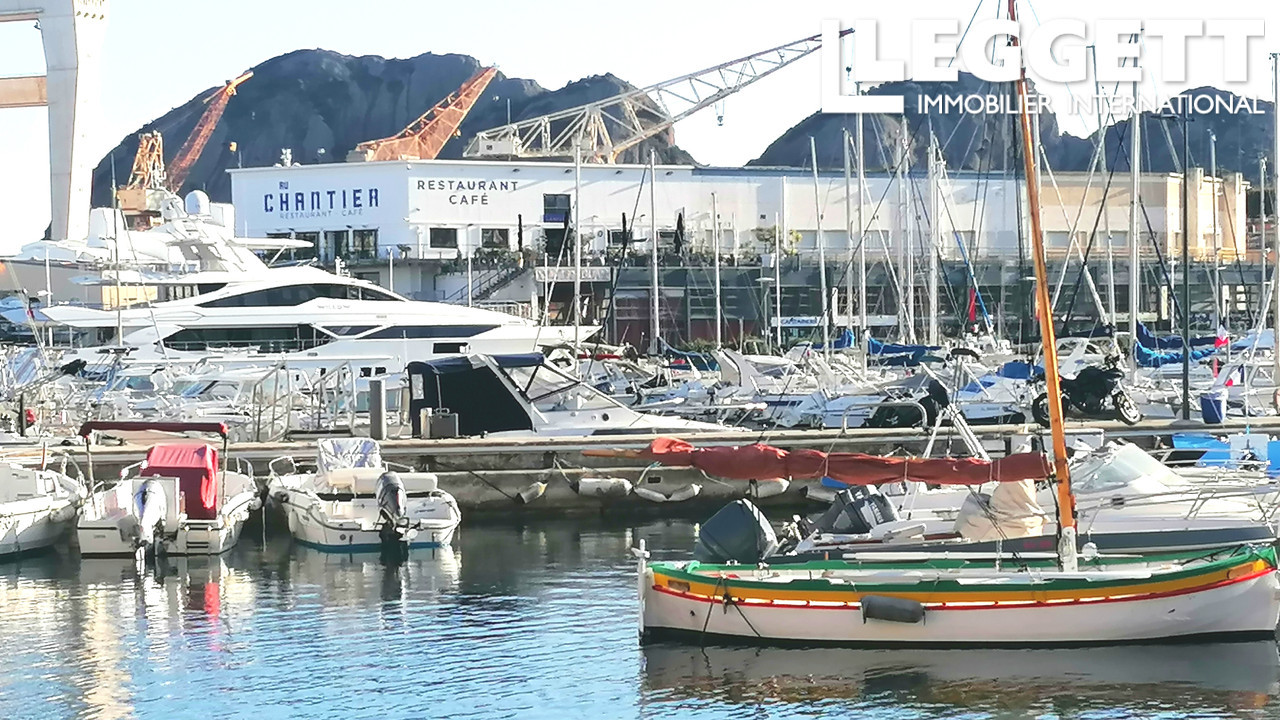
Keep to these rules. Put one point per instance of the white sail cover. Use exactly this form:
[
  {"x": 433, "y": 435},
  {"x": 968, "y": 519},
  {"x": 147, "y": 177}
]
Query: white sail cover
[{"x": 1011, "y": 511}]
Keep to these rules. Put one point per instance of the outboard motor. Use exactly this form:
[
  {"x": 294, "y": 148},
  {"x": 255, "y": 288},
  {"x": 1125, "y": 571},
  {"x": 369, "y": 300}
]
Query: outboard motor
[
  {"x": 148, "y": 516},
  {"x": 393, "y": 503},
  {"x": 739, "y": 532},
  {"x": 856, "y": 510}
]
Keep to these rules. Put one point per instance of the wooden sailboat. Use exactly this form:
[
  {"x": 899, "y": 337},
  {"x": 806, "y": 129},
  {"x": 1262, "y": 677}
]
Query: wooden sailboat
[{"x": 1227, "y": 594}]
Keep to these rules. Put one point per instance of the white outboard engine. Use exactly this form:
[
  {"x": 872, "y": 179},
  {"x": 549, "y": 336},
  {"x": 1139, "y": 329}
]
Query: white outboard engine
[
  {"x": 148, "y": 513},
  {"x": 393, "y": 503}
]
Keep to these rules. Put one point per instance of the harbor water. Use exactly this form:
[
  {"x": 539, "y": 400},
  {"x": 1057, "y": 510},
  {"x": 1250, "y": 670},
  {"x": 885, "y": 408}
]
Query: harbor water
[{"x": 530, "y": 621}]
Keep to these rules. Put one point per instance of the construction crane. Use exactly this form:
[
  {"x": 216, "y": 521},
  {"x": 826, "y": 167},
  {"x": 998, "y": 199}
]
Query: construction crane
[
  {"x": 425, "y": 137},
  {"x": 146, "y": 179},
  {"x": 190, "y": 151},
  {"x": 635, "y": 116}
]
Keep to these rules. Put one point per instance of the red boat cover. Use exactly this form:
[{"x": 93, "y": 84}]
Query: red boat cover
[
  {"x": 762, "y": 462},
  {"x": 196, "y": 467}
]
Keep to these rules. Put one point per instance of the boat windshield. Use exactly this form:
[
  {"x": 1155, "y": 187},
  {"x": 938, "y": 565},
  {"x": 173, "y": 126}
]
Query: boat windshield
[
  {"x": 550, "y": 390},
  {"x": 1116, "y": 467}
]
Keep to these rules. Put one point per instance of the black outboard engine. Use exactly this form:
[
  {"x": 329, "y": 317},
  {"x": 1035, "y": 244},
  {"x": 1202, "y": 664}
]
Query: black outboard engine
[
  {"x": 855, "y": 511},
  {"x": 739, "y": 532},
  {"x": 393, "y": 503}
]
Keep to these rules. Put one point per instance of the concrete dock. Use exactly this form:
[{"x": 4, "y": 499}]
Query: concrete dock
[{"x": 491, "y": 476}]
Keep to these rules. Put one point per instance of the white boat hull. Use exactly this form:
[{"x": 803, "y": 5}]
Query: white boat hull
[
  {"x": 35, "y": 524},
  {"x": 1244, "y": 608},
  {"x": 102, "y": 537},
  {"x": 351, "y": 526}
]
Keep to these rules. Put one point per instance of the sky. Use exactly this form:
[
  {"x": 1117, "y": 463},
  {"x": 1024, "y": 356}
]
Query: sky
[{"x": 160, "y": 53}]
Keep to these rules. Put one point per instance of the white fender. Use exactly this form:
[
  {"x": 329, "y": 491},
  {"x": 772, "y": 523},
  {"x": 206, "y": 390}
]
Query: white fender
[
  {"x": 817, "y": 493},
  {"x": 603, "y": 487},
  {"x": 768, "y": 488},
  {"x": 687, "y": 492}
]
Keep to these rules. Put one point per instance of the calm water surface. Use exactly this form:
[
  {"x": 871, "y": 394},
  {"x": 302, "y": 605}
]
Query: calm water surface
[{"x": 533, "y": 621}]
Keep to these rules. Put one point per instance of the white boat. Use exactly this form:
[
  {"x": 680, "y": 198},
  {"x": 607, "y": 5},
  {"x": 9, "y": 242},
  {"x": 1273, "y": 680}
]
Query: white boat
[
  {"x": 356, "y": 503},
  {"x": 304, "y": 316},
  {"x": 37, "y": 508},
  {"x": 180, "y": 502}
]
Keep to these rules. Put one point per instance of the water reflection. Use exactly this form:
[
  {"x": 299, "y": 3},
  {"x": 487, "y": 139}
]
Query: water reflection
[
  {"x": 532, "y": 620},
  {"x": 1145, "y": 680}
]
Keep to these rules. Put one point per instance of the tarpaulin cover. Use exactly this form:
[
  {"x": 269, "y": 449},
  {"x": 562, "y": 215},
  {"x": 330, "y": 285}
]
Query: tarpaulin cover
[
  {"x": 196, "y": 467},
  {"x": 760, "y": 462},
  {"x": 1171, "y": 342},
  {"x": 875, "y": 347},
  {"x": 1155, "y": 358}
]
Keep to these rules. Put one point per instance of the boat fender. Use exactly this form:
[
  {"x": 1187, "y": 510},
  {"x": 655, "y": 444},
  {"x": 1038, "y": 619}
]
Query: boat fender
[
  {"x": 531, "y": 493},
  {"x": 603, "y": 487},
  {"x": 818, "y": 494},
  {"x": 891, "y": 609},
  {"x": 760, "y": 489},
  {"x": 688, "y": 492}
]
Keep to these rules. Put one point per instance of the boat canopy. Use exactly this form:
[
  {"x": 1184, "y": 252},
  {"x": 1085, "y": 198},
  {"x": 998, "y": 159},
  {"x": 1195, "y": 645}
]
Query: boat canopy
[
  {"x": 761, "y": 462},
  {"x": 476, "y": 388},
  {"x": 196, "y": 468}
]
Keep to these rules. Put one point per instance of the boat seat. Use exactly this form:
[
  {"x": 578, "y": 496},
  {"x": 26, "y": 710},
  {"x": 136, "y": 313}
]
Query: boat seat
[{"x": 359, "y": 481}]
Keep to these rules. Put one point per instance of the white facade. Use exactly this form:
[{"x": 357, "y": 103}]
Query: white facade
[{"x": 445, "y": 209}]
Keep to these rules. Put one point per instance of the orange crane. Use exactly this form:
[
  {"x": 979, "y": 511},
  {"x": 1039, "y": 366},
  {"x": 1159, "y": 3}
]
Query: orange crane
[
  {"x": 190, "y": 151},
  {"x": 425, "y": 137}
]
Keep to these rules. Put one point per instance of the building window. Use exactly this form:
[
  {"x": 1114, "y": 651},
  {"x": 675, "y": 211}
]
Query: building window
[
  {"x": 444, "y": 238},
  {"x": 618, "y": 237},
  {"x": 335, "y": 244},
  {"x": 555, "y": 208},
  {"x": 494, "y": 238},
  {"x": 1057, "y": 240},
  {"x": 364, "y": 245},
  {"x": 305, "y": 253}
]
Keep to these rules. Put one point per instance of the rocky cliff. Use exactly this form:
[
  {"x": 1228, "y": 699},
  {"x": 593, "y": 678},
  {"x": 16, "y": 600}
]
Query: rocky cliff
[{"x": 321, "y": 104}]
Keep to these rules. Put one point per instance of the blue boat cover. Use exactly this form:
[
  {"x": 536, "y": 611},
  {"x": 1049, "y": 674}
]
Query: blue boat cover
[
  {"x": 1154, "y": 358},
  {"x": 1170, "y": 342}
]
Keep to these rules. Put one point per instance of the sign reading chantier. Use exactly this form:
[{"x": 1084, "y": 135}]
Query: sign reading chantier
[{"x": 301, "y": 202}]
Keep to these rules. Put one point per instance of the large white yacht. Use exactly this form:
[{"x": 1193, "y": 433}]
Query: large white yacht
[{"x": 302, "y": 315}]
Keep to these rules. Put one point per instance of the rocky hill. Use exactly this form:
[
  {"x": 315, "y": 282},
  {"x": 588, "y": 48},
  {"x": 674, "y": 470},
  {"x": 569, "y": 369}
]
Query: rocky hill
[
  {"x": 321, "y": 104},
  {"x": 982, "y": 142}
]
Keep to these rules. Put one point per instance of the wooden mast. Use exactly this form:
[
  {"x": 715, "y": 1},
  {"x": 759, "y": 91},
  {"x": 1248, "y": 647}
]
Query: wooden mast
[{"x": 1066, "y": 501}]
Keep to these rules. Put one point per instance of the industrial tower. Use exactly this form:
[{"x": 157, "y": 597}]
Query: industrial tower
[{"x": 72, "y": 32}]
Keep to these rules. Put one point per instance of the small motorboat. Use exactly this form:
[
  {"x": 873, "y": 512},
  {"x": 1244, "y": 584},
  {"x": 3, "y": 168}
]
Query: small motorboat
[
  {"x": 179, "y": 502},
  {"x": 37, "y": 508},
  {"x": 354, "y": 502}
]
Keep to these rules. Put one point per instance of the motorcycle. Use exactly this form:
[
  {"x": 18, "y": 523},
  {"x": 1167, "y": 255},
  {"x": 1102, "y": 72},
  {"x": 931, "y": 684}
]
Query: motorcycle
[{"x": 1095, "y": 392}]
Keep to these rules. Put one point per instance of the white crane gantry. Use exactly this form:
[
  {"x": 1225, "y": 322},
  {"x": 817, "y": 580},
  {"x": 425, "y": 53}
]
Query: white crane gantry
[{"x": 606, "y": 128}]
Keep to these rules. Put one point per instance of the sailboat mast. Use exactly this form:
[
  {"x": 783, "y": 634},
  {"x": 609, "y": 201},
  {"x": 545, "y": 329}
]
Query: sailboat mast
[
  {"x": 1275, "y": 169},
  {"x": 934, "y": 244},
  {"x": 715, "y": 252},
  {"x": 1066, "y": 502},
  {"x": 655, "y": 321},
  {"x": 848, "y": 225},
  {"x": 864, "y": 333},
  {"x": 1135, "y": 263},
  {"x": 822, "y": 252}
]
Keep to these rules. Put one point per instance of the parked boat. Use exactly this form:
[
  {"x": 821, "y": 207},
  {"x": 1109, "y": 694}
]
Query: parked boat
[
  {"x": 354, "y": 502},
  {"x": 181, "y": 501},
  {"x": 37, "y": 508}
]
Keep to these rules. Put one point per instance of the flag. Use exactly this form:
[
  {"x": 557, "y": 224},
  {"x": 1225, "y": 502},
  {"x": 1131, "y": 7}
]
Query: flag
[
  {"x": 973, "y": 306},
  {"x": 1221, "y": 339}
]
